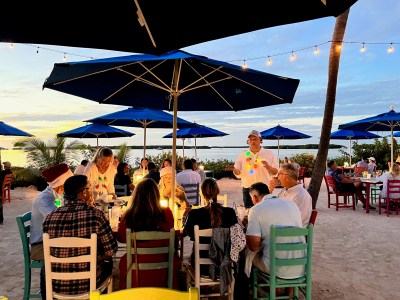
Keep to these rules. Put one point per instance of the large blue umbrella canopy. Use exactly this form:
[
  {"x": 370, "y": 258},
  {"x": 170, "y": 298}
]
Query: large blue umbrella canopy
[
  {"x": 12, "y": 131},
  {"x": 157, "y": 82},
  {"x": 141, "y": 117},
  {"x": 153, "y": 26},
  {"x": 282, "y": 133},
  {"x": 200, "y": 131},
  {"x": 96, "y": 131},
  {"x": 389, "y": 121},
  {"x": 347, "y": 134}
]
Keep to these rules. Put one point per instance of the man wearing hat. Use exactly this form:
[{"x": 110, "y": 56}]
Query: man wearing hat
[
  {"x": 3, "y": 173},
  {"x": 46, "y": 202},
  {"x": 255, "y": 164}
]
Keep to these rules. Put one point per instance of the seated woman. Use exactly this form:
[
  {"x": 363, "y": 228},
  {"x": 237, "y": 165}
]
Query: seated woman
[
  {"x": 142, "y": 171},
  {"x": 212, "y": 215},
  {"x": 165, "y": 188},
  {"x": 394, "y": 173},
  {"x": 146, "y": 214},
  {"x": 122, "y": 177}
]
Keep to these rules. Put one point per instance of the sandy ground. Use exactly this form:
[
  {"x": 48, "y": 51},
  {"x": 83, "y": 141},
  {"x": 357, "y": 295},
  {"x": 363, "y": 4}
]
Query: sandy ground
[{"x": 355, "y": 254}]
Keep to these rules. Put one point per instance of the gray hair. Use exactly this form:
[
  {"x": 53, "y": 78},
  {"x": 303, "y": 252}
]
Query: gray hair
[{"x": 292, "y": 169}]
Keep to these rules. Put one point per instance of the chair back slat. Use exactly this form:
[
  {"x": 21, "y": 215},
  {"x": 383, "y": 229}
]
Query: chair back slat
[{"x": 192, "y": 191}]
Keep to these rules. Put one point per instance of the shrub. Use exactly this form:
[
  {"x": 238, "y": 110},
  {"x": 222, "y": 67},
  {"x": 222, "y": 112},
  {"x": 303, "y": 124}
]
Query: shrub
[
  {"x": 24, "y": 177},
  {"x": 306, "y": 160}
]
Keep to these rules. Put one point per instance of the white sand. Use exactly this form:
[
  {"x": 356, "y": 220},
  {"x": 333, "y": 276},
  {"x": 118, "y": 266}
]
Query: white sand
[{"x": 356, "y": 255}]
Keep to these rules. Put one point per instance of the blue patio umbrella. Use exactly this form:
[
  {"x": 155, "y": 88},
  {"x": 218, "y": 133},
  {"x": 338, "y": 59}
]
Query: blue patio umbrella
[
  {"x": 12, "y": 131},
  {"x": 346, "y": 134},
  {"x": 174, "y": 81},
  {"x": 282, "y": 133},
  {"x": 389, "y": 121},
  {"x": 95, "y": 131},
  {"x": 141, "y": 117},
  {"x": 200, "y": 131}
]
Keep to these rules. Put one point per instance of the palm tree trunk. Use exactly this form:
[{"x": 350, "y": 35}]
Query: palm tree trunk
[{"x": 334, "y": 59}]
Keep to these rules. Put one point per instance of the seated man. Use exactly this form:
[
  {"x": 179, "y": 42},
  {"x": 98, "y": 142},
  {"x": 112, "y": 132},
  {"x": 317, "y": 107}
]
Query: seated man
[
  {"x": 79, "y": 218},
  {"x": 272, "y": 211},
  {"x": 346, "y": 184},
  {"x": 188, "y": 175},
  {"x": 293, "y": 190},
  {"x": 153, "y": 172}
]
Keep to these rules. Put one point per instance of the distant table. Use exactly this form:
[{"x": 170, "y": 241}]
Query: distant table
[
  {"x": 209, "y": 172},
  {"x": 345, "y": 169},
  {"x": 368, "y": 183}
]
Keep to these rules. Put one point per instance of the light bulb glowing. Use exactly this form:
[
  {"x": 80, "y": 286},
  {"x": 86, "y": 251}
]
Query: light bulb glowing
[
  {"x": 292, "y": 57},
  {"x": 244, "y": 66},
  {"x": 11, "y": 45},
  {"x": 390, "y": 49},
  {"x": 65, "y": 58},
  {"x": 338, "y": 47},
  {"x": 269, "y": 61},
  {"x": 316, "y": 51},
  {"x": 363, "y": 49}
]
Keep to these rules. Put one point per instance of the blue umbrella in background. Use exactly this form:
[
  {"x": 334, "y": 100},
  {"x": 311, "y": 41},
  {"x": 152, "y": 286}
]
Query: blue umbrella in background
[
  {"x": 141, "y": 117},
  {"x": 282, "y": 133},
  {"x": 200, "y": 131},
  {"x": 96, "y": 131},
  {"x": 389, "y": 121},
  {"x": 346, "y": 134},
  {"x": 175, "y": 81},
  {"x": 12, "y": 131}
]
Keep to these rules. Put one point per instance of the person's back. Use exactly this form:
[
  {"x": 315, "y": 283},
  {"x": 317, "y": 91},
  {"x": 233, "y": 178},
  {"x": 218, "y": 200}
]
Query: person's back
[
  {"x": 279, "y": 212},
  {"x": 362, "y": 162},
  {"x": 187, "y": 175},
  {"x": 81, "y": 168},
  {"x": 394, "y": 173},
  {"x": 153, "y": 172}
]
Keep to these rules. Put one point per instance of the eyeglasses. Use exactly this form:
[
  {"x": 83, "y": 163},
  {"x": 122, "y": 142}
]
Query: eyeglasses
[{"x": 279, "y": 173}]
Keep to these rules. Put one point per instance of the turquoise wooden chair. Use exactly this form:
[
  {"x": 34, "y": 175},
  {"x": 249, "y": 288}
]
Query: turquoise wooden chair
[
  {"x": 261, "y": 280},
  {"x": 24, "y": 227}
]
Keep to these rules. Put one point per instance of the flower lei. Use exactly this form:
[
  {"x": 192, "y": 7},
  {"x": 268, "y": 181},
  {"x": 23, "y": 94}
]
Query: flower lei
[
  {"x": 252, "y": 166},
  {"x": 101, "y": 185}
]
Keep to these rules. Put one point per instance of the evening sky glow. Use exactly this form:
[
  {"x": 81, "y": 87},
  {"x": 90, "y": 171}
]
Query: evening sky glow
[{"x": 369, "y": 82}]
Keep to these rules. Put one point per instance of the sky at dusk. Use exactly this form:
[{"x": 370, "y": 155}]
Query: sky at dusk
[{"x": 368, "y": 83}]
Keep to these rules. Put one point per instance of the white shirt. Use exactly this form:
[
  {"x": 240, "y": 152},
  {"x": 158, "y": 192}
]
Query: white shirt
[
  {"x": 188, "y": 176},
  {"x": 299, "y": 195},
  {"x": 79, "y": 170},
  {"x": 251, "y": 168},
  {"x": 280, "y": 212},
  {"x": 100, "y": 183},
  {"x": 384, "y": 178}
]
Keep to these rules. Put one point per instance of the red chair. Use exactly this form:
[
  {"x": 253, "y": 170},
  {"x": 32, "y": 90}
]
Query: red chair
[
  {"x": 332, "y": 189},
  {"x": 302, "y": 173},
  {"x": 313, "y": 216},
  {"x": 6, "y": 188},
  {"x": 392, "y": 195}
]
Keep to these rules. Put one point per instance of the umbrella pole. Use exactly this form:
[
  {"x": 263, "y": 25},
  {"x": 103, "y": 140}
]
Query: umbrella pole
[
  {"x": 195, "y": 149},
  {"x": 173, "y": 181},
  {"x": 278, "y": 153},
  {"x": 183, "y": 148},
  {"x": 391, "y": 146},
  {"x": 144, "y": 146},
  {"x": 350, "y": 151}
]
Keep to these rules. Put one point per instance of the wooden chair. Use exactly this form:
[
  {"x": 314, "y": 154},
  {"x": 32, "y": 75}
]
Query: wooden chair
[
  {"x": 70, "y": 243},
  {"x": 147, "y": 293},
  {"x": 192, "y": 191},
  {"x": 194, "y": 279},
  {"x": 302, "y": 173},
  {"x": 121, "y": 190},
  {"x": 332, "y": 189},
  {"x": 278, "y": 246},
  {"x": 223, "y": 198},
  {"x": 137, "y": 251},
  {"x": 392, "y": 196},
  {"x": 6, "y": 188},
  {"x": 24, "y": 228}
]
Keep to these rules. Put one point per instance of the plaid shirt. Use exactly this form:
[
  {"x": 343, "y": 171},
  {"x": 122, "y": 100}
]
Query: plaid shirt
[{"x": 77, "y": 219}]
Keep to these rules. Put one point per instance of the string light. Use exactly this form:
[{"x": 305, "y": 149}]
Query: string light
[
  {"x": 65, "y": 57},
  {"x": 11, "y": 45},
  {"x": 269, "y": 61},
  {"x": 37, "y": 50},
  {"x": 363, "y": 49},
  {"x": 244, "y": 66},
  {"x": 390, "y": 49},
  {"x": 316, "y": 50},
  {"x": 292, "y": 57}
]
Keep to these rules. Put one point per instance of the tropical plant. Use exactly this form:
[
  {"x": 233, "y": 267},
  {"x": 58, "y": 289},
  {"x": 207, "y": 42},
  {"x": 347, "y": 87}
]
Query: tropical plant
[
  {"x": 334, "y": 60},
  {"x": 41, "y": 155},
  {"x": 122, "y": 153}
]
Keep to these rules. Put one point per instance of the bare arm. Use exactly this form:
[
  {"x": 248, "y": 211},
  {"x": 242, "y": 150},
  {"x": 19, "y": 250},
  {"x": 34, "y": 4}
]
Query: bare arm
[{"x": 253, "y": 242}]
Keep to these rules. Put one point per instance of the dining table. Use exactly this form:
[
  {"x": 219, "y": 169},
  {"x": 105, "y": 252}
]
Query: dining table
[{"x": 368, "y": 182}]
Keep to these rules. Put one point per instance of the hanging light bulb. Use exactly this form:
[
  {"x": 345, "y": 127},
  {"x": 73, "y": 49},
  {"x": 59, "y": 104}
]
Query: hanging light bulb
[
  {"x": 390, "y": 49},
  {"x": 244, "y": 66},
  {"x": 65, "y": 58},
  {"x": 37, "y": 50},
  {"x": 363, "y": 49},
  {"x": 292, "y": 57},
  {"x": 11, "y": 45},
  {"x": 269, "y": 61},
  {"x": 316, "y": 50}
]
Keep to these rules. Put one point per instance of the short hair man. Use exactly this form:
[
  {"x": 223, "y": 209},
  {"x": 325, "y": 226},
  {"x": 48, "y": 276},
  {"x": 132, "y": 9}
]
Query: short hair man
[
  {"x": 79, "y": 169},
  {"x": 288, "y": 177},
  {"x": 188, "y": 175},
  {"x": 346, "y": 184},
  {"x": 272, "y": 211},
  {"x": 78, "y": 218},
  {"x": 153, "y": 172},
  {"x": 255, "y": 164},
  {"x": 45, "y": 203}
]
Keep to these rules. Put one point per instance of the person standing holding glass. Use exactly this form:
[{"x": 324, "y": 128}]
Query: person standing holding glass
[{"x": 255, "y": 164}]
